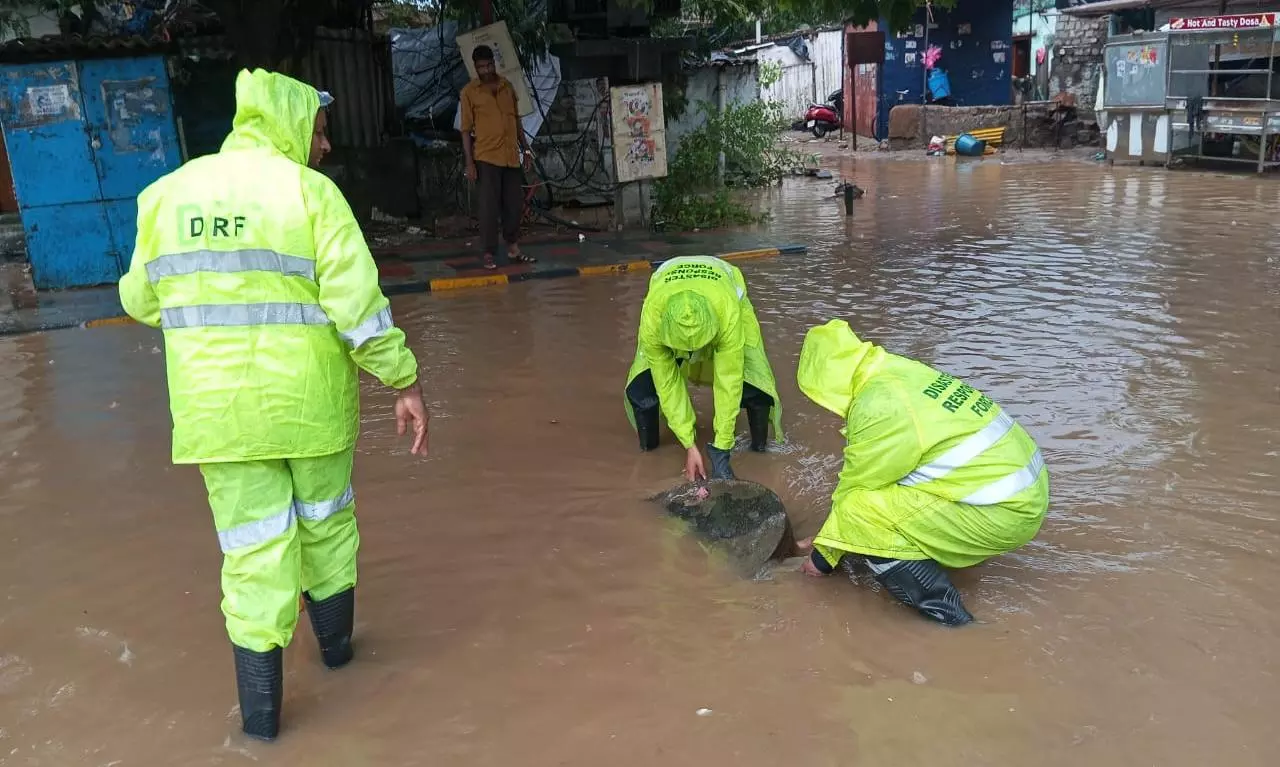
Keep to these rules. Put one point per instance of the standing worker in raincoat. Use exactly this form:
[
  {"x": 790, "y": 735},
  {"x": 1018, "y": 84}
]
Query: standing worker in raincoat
[
  {"x": 697, "y": 323},
  {"x": 935, "y": 473},
  {"x": 255, "y": 268}
]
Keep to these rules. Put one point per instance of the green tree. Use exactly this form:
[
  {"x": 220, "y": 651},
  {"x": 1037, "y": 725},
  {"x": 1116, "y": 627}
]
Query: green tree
[{"x": 781, "y": 16}]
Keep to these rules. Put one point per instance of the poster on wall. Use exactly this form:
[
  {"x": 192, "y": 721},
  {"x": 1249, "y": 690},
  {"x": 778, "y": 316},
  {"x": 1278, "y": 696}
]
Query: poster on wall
[
  {"x": 505, "y": 59},
  {"x": 639, "y": 132}
]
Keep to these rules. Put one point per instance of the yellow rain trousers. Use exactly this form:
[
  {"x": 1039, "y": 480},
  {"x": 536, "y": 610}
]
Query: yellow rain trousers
[
  {"x": 255, "y": 268},
  {"x": 933, "y": 468},
  {"x": 288, "y": 526},
  {"x": 697, "y": 309}
]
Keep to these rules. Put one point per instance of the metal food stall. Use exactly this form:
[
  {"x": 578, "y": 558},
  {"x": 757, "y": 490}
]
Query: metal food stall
[
  {"x": 1222, "y": 93},
  {"x": 1133, "y": 98}
]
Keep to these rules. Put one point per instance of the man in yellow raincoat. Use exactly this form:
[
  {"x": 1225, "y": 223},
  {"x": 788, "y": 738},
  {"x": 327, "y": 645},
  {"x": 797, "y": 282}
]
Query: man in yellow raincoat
[
  {"x": 255, "y": 268},
  {"x": 698, "y": 325},
  {"x": 935, "y": 473}
]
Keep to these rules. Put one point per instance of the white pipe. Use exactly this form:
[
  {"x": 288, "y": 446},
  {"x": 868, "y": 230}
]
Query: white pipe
[{"x": 759, "y": 36}]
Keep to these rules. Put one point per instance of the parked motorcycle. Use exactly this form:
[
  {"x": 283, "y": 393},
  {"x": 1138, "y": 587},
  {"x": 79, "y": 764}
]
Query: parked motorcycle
[{"x": 821, "y": 119}]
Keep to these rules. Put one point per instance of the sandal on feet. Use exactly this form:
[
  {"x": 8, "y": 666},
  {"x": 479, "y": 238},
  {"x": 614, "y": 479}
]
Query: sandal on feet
[{"x": 519, "y": 257}]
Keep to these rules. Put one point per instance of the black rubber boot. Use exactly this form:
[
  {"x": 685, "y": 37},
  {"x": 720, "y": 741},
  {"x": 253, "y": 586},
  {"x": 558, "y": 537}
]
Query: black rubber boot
[
  {"x": 260, "y": 683},
  {"x": 642, "y": 395},
  {"x": 924, "y": 585},
  {"x": 332, "y": 620},
  {"x": 647, "y": 427},
  {"x": 758, "y": 423},
  {"x": 720, "y": 467}
]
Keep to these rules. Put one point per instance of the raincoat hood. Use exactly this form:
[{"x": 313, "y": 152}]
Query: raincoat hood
[
  {"x": 275, "y": 111},
  {"x": 835, "y": 364},
  {"x": 688, "y": 323}
]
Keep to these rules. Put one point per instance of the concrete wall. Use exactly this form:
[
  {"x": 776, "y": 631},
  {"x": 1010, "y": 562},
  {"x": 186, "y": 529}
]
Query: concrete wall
[
  {"x": 384, "y": 177},
  {"x": 1077, "y": 54},
  {"x": 740, "y": 87},
  {"x": 912, "y": 125},
  {"x": 977, "y": 61}
]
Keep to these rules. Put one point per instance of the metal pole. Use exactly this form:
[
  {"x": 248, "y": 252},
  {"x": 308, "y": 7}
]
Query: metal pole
[
  {"x": 1031, "y": 58},
  {"x": 924, "y": 77},
  {"x": 847, "y": 75}
]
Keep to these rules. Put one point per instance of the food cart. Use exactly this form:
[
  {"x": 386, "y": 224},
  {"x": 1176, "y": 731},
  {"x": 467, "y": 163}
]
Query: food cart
[
  {"x": 1222, "y": 94},
  {"x": 1136, "y": 125}
]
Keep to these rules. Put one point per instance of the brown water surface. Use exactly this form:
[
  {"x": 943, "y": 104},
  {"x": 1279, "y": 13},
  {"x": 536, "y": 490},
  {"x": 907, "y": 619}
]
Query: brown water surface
[{"x": 521, "y": 604}]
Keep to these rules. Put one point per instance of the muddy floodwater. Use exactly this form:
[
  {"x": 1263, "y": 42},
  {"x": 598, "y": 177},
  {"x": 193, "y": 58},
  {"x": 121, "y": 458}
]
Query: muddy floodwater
[{"x": 520, "y": 602}]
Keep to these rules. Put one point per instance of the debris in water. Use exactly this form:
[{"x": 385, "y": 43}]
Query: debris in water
[
  {"x": 704, "y": 712},
  {"x": 744, "y": 522},
  {"x": 918, "y": 678}
]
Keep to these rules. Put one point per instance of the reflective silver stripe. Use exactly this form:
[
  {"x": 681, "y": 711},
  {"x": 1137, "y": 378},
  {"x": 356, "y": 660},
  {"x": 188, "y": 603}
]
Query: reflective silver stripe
[
  {"x": 1003, "y": 489},
  {"x": 314, "y": 512},
  {"x": 230, "y": 262},
  {"x": 235, "y": 315},
  {"x": 966, "y": 451},
  {"x": 257, "y": 532},
  {"x": 371, "y": 328}
]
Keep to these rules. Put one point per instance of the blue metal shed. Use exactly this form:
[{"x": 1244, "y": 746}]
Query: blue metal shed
[
  {"x": 84, "y": 138},
  {"x": 976, "y": 38}
]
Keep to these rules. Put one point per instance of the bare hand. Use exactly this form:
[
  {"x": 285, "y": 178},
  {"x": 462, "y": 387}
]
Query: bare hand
[
  {"x": 471, "y": 172},
  {"x": 809, "y": 568},
  {"x": 409, "y": 408},
  {"x": 694, "y": 468}
]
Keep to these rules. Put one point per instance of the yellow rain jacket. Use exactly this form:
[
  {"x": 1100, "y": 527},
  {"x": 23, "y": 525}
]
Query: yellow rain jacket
[
  {"x": 933, "y": 468},
  {"x": 255, "y": 268},
  {"x": 697, "y": 310}
]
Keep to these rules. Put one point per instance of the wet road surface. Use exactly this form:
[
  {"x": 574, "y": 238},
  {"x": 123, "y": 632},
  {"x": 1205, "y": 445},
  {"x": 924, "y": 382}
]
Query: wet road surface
[{"x": 519, "y": 602}]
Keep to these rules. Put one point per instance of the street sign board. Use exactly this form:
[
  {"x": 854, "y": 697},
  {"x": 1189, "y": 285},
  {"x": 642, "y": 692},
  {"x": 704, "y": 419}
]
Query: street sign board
[{"x": 1237, "y": 21}]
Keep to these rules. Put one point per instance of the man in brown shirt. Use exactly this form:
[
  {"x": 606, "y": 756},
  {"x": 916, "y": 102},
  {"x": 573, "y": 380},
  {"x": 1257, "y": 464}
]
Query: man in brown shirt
[{"x": 494, "y": 145}]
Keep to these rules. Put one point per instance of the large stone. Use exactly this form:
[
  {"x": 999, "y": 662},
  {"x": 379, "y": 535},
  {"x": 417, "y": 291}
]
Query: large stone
[{"x": 744, "y": 522}]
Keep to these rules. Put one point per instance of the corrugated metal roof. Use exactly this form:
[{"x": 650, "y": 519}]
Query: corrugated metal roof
[
  {"x": 56, "y": 47},
  {"x": 1105, "y": 7}
]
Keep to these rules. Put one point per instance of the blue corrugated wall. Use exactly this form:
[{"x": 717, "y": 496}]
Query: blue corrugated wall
[{"x": 972, "y": 59}]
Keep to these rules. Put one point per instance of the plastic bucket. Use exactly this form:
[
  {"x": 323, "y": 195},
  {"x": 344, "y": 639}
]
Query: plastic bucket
[{"x": 969, "y": 146}]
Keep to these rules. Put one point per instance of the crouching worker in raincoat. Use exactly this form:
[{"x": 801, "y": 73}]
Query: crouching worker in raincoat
[
  {"x": 935, "y": 474},
  {"x": 698, "y": 325},
  {"x": 255, "y": 268}
]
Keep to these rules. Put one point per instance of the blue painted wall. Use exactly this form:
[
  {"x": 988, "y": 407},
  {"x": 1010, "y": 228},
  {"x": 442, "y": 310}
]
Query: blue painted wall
[
  {"x": 84, "y": 138},
  {"x": 972, "y": 59}
]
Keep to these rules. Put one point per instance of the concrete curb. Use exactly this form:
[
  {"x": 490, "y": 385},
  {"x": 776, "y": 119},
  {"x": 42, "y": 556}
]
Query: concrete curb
[
  {"x": 459, "y": 283},
  {"x": 443, "y": 284}
]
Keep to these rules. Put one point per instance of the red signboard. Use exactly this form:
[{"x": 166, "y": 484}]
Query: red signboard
[{"x": 1240, "y": 21}]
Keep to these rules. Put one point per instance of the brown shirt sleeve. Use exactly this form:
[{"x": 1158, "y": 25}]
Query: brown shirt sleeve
[{"x": 468, "y": 110}]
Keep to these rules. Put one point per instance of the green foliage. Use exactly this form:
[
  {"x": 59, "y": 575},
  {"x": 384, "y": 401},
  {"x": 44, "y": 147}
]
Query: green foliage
[
  {"x": 782, "y": 16},
  {"x": 770, "y": 72},
  {"x": 528, "y": 32},
  {"x": 692, "y": 195}
]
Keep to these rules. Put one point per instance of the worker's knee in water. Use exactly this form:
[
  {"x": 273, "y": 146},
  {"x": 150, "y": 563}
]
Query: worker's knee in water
[
  {"x": 642, "y": 393},
  {"x": 758, "y": 405},
  {"x": 754, "y": 398}
]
